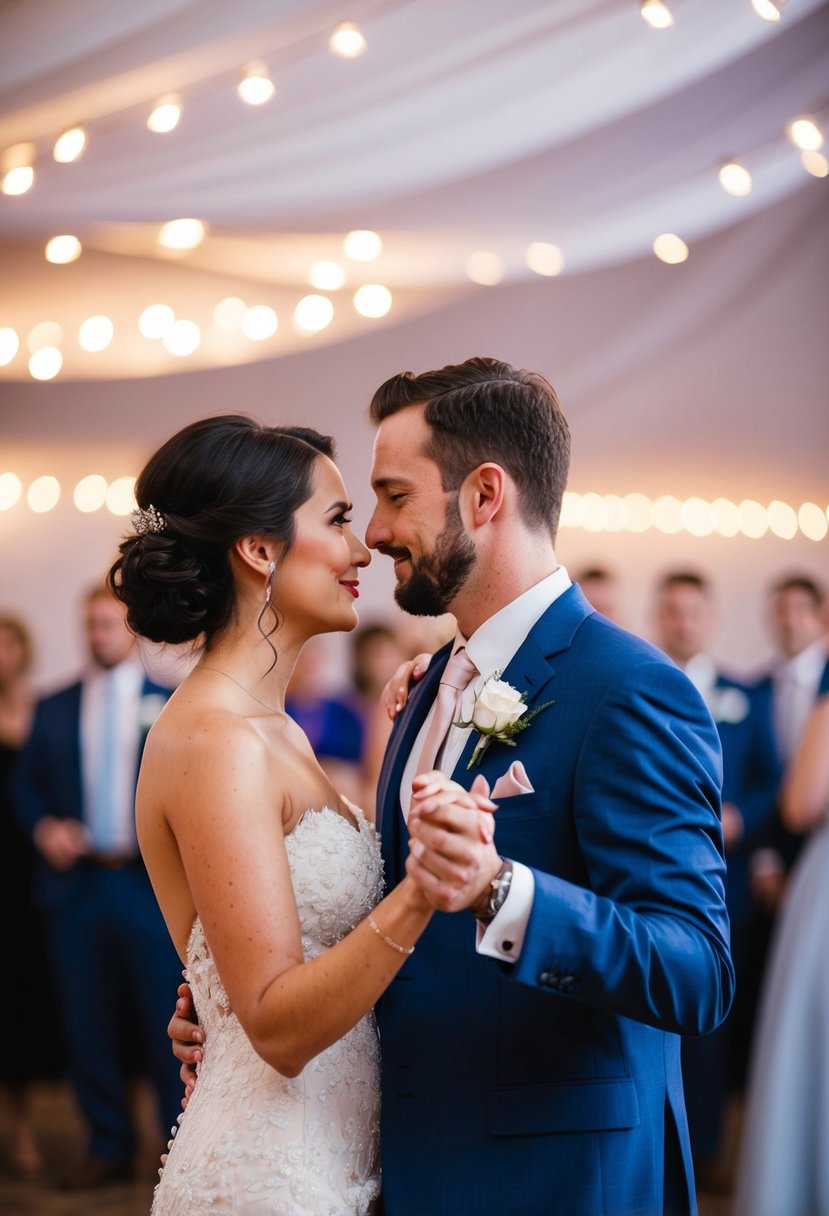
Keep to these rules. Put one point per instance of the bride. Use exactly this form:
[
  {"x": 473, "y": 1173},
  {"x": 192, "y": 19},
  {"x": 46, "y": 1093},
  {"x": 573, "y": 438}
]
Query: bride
[{"x": 270, "y": 883}]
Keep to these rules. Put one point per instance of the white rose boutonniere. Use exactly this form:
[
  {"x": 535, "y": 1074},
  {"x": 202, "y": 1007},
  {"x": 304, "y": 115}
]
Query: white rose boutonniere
[
  {"x": 499, "y": 712},
  {"x": 149, "y": 707}
]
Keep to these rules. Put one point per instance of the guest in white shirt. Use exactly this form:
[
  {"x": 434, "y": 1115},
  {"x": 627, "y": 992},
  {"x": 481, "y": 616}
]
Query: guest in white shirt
[{"x": 75, "y": 788}]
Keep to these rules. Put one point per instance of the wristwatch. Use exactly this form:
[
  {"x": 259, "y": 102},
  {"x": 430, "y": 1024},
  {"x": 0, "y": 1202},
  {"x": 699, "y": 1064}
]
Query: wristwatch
[{"x": 500, "y": 886}]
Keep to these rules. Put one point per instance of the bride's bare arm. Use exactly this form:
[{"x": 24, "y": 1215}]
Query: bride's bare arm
[
  {"x": 231, "y": 842},
  {"x": 227, "y": 822}
]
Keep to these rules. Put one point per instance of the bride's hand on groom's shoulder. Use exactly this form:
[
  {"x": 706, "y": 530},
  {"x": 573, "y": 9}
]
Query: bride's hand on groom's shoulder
[
  {"x": 396, "y": 693},
  {"x": 452, "y": 857},
  {"x": 187, "y": 1037}
]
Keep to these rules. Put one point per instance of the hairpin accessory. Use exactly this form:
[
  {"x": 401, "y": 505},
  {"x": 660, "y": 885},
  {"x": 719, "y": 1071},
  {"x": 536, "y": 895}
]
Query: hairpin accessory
[{"x": 147, "y": 519}]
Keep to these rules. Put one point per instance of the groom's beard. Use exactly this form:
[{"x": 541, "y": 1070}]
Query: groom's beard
[{"x": 437, "y": 577}]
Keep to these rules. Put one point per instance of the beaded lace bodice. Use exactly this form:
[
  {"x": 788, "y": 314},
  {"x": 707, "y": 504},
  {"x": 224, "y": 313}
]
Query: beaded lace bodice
[{"x": 254, "y": 1142}]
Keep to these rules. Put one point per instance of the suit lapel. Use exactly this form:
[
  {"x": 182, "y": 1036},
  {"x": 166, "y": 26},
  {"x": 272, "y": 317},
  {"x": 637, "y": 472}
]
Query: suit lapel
[
  {"x": 530, "y": 671},
  {"x": 389, "y": 819}
]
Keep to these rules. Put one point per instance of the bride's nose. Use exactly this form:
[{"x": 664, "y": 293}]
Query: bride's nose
[{"x": 360, "y": 553}]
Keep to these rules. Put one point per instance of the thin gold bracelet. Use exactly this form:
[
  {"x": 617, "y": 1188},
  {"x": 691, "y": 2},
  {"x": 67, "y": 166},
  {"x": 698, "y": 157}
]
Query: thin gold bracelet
[{"x": 388, "y": 940}]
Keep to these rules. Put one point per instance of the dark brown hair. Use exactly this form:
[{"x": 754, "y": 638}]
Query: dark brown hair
[
  {"x": 213, "y": 482},
  {"x": 485, "y": 410}
]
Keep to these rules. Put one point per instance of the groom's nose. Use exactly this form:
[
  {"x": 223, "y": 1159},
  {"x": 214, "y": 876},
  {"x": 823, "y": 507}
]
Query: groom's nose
[{"x": 377, "y": 532}]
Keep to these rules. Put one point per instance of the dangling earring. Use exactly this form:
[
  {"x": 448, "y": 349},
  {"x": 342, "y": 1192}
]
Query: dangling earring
[{"x": 269, "y": 584}]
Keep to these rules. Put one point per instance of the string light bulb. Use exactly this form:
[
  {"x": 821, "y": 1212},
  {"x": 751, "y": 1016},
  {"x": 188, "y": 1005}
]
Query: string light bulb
[
  {"x": 805, "y": 134},
  {"x": 9, "y": 344},
  {"x": 182, "y": 234},
  {"x": 372, "y": 300},
  {"x": 484, "y": 267},
  {"x": 769, "y": 10},
  {"x": 362, "y": 245},
  {"x": 815, "y": 163},
  {"x": 165, "y": 114},
  {"x": 347, "y": 41},
  {"x": 544, "y": 258},
  {"x": 61, "y": 250},
  {"x": 69, "y": 145},
  {"x": 17, "y": 167},
  {"x": 255, "y": 85},
  {"x": 670, "y": 248},
  {"x": 45, "y": 363},
  {"x": 657, "y": 14},
  {"x": 735, "y": 178}
]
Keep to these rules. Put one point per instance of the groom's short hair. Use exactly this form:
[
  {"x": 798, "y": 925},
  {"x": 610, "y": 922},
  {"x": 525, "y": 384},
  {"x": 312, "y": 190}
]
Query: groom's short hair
[{"x": 485, "y": 410}]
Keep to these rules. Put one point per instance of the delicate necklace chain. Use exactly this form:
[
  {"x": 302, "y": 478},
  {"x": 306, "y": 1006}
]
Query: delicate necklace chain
[{"x": 227, "y": 676}]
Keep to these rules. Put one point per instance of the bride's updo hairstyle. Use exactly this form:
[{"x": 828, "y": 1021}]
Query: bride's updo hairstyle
[{"x": 211, "y": 484}]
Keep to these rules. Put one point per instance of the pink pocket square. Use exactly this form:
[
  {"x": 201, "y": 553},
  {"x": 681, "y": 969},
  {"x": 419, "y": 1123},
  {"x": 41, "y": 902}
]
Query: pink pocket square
[{"x": 513, "y": 781}]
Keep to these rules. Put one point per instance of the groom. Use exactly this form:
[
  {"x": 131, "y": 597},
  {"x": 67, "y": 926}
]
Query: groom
[{"x": 531, "y": 1055}]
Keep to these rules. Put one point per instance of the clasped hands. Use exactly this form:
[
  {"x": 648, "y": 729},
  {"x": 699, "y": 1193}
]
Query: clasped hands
[{"x": 452, "y": 858}]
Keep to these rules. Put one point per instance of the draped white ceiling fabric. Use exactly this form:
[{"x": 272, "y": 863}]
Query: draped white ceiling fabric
[{"x": 466, "y": 125}]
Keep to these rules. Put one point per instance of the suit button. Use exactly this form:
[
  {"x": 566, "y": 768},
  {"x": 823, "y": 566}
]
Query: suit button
[
  {"x": 567, "y": 983},
  {"x": 549, "y": 978}
]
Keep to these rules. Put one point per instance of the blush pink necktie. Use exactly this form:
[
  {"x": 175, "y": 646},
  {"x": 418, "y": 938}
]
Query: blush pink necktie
[{"x": 459, "y": 672}]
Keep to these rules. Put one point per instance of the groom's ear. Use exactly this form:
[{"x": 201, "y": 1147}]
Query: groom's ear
[{"x": 483, "y": 493}]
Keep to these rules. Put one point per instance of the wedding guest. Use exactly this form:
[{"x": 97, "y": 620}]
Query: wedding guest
[
  {"x": 601, "y": 587},
  {"x": 685, "y": 622},
  {"x": 786, "y": 694},
  {"x": 30, "y": 1041},
  {"x": 74, "y": 788},
  {"x": 784, "y": 1165},
  {"x": 798, "y": 676}
]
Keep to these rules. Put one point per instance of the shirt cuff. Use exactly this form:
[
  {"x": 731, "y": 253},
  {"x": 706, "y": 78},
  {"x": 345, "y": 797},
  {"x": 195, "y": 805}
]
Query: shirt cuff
[{"x": 503, "y": 937}]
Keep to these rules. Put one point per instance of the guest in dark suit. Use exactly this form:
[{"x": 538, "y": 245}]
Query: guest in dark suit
[
  {"x": 786, "y": 694},
  {"x": 685, "y": 622},
  {"x": 799, "y": 675},
  {"x": 75, "y": 786}
]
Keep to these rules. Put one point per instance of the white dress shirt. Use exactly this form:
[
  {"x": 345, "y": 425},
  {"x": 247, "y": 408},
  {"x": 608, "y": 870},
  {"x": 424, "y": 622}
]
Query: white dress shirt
[
  {"x": 491, "y": 647},
  {"x": 701, "y": 670},
  {"x": 128, "y": 679},
  {"x": 795, "y": 682}
]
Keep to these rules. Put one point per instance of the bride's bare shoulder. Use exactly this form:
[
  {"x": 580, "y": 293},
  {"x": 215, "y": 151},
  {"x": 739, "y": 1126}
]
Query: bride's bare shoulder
[{"x": 193, "y": 730}]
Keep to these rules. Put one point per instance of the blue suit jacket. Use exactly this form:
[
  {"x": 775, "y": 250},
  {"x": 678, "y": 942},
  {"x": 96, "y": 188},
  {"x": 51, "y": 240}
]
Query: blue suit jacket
[
  {"x": 47, "y": 778},
  {"x": 554, "y": 1085}
]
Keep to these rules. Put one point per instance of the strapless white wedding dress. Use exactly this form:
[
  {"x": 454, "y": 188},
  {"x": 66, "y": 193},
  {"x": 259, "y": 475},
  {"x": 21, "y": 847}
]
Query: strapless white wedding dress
[{"x": 255, "y": 1143}]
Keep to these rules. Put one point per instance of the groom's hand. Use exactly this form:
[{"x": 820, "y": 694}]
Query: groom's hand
[
  {"x": 452, "y": 857},
  {"x": 187, "y": 1038}
]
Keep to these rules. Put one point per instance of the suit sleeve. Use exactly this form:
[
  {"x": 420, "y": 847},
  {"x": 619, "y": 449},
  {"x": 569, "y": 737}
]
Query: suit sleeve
[
  {"x": 647, "y": 936},
  {"x": 30, "y": 777}
]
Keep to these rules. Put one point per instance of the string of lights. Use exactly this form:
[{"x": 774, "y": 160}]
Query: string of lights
[
  {"x": 634, "y": 512},
  {"x": 49, "y": 344}
]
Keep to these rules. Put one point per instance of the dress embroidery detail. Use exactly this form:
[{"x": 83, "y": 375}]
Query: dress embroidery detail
[{"x": 254, "y": 1142}]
